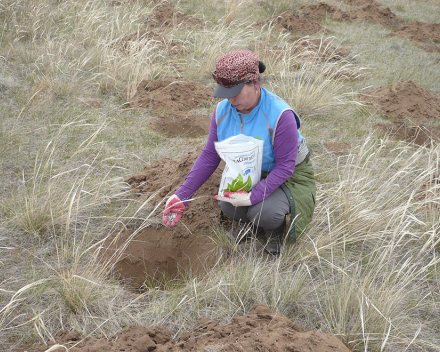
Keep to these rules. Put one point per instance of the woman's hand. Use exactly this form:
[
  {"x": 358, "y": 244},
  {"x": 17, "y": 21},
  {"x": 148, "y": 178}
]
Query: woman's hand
[
  {"x": 174, "y": 209},
  {"x": 238, "y": 199}
]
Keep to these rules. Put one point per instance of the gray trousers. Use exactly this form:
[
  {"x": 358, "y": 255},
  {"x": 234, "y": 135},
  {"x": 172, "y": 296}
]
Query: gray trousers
[{"x": 270, "y": 214}]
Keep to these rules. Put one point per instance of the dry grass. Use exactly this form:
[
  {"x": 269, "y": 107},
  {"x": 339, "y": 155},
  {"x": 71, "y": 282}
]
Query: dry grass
[
  {"x": 367, "y": 268},
  {"x": 313, "y": 77}
]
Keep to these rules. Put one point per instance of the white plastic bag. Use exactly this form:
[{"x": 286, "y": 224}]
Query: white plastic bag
[{"x": 243, "y": 156}]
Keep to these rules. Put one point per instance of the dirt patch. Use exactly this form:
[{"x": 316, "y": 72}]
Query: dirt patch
[
  {"x": 171, "y": 101},
  {"x": 337, "y": 147},
  {"x": 375, "y": 14},
  {"x": 420, "y": 32},
  {"x": 157, "y": 253},
  {"x": 420, "y": 135},
  {"x": 185, "y": 126},
  {"x": 406, "y": 100},
  {"x": 171, "y": 95},
  {"x": 427, "y": 34},
  {"x": 320, "y": 11},
  {"x": 157, "y": 250},
  {"x": 370, "y": 12},
  {"x": 166, "y": 15},
  {"x": 413, "y": 109},
  {"x": 297, "y": 24},
  {"x": 261, "y": 330}
]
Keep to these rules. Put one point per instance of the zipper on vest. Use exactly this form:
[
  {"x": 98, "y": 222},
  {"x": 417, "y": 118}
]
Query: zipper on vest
[{"x": 241, "y": 122}]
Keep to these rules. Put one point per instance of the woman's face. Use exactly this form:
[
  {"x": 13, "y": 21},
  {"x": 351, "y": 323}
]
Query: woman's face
[{"x": 247, "y": 99}]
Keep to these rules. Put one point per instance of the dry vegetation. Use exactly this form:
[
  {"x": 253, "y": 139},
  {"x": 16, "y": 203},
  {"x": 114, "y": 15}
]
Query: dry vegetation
[{"x": 366, "y": 270}]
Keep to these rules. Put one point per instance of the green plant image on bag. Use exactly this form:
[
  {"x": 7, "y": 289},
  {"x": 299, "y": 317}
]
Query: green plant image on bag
[{"x": 239, "y": 185}]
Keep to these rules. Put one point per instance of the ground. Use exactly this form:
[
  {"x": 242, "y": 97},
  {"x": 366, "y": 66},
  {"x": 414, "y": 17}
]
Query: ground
[
  {"x": 261, "y": 330},
  {"x": 157, "y": 250}
]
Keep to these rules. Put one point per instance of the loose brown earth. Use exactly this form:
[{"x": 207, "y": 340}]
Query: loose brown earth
[
  {"x": 261, "y": 330},
  {"x": 413, "y": 110},
  {"x": 159, "y": 251},
  {"x": 171, "y": 100},
  {"x": 426, "y": 34},
  {"x": 297, "y": 24},
  {"x": 369, "y": 11}
]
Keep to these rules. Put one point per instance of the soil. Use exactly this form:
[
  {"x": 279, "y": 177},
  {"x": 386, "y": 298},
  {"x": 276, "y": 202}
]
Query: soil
[
  {"x": 426, "y": 34},
  {"x": 160, "y": 251},
  {"x": 369, "y": 11},
  {"x": 172, "y": 100},
  {"x": 320, "y": 11},
  {"x": 413, "y": 110},
  {"x": 297, "y": 24},
  {"x": 261, "y": 330}
]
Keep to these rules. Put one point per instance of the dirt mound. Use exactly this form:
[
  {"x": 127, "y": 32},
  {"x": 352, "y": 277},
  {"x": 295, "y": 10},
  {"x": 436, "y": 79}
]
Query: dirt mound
[
  {"x": 171, "y": 100},
  {"x": 406, "y": 100},
  {"x": 411, "y": 107},
  {"x": 158, "y": 250},
  {"x": 166, "y": 15},
  {"x": 371, "y": 11},
  {"x": 159, "y": 253},
  {"x": 171, "y": 95},
  {"x": 296, "y": 24},
  {"x": 421, "y": 33},
  {"x": 375, "y": 14},
  {"x": 261, "y": 330},
  {"x": 320, "y": 11}
]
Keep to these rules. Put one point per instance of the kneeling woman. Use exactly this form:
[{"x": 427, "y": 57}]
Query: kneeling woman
[{"x": 287, "y": 185}]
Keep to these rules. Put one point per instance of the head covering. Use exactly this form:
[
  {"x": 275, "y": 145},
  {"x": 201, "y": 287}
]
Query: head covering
[{"x": 233, "y": 71}]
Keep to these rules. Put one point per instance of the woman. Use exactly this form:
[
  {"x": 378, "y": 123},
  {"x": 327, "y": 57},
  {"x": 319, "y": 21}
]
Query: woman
[{"x": 287, "y": 185}]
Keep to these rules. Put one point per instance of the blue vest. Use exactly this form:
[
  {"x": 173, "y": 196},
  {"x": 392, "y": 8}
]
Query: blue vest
[{"x": 260, "y": 123}]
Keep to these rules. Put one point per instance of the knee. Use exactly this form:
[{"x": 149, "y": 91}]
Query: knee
[{"x": 267, "y": 218}]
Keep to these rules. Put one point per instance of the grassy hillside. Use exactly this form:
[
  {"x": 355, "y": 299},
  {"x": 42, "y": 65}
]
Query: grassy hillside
[{"x": 366, "y": 270}]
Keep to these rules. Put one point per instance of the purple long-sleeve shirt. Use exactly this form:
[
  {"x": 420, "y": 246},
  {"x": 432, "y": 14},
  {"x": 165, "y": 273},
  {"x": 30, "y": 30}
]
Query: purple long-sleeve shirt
[{"x": 286, "y": 136}]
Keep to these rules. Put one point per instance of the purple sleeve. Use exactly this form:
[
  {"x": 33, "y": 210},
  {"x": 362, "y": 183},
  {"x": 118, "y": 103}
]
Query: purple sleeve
[
  {"x": 285, "y": 148},
  {"x": 204, "y": 166}
]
